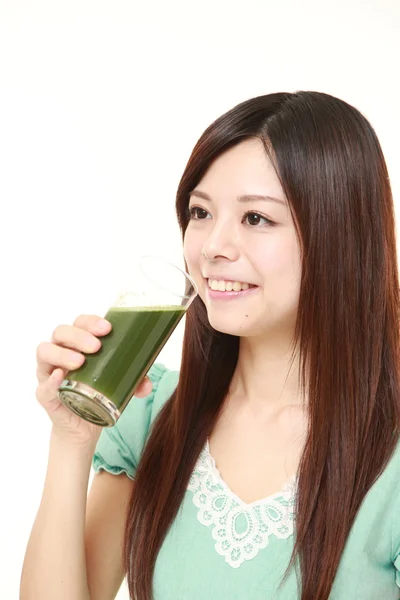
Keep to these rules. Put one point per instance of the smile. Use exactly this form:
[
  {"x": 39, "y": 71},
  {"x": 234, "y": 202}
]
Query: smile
[
  {"x": 229, "y": 290},
  {"x": 228, "y": 286}
]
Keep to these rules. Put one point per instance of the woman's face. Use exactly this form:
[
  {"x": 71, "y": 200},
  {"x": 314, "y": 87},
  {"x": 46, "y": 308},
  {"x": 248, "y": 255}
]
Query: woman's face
[{"x": 240, "y": 245}]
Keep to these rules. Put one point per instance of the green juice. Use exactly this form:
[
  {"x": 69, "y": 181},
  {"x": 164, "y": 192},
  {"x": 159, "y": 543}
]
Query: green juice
[{"x": 127, "y": 352}]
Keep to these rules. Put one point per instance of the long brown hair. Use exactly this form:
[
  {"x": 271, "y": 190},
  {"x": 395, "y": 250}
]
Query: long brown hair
[{"x": 333, "y": 172}]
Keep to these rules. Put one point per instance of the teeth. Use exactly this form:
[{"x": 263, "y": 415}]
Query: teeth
[
  {"x": 221, "y": 286},
  {"x": 227, "y": 286},
  {"x": 213, "y": 284}
]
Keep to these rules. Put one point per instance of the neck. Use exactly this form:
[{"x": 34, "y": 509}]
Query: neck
[{"x": 264, "y": 379}]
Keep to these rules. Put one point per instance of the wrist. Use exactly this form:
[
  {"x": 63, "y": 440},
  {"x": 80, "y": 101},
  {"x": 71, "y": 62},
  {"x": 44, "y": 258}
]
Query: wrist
[{"x": 75, "y": 445}]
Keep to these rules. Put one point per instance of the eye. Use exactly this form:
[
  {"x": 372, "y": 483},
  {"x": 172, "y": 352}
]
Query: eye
[
  {"x": 255, "y": 219},
  {"x": 197, "y": 213}
]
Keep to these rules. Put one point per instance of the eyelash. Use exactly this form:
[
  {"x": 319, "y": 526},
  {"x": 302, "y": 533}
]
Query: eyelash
[{"x": 190, "y": 212}]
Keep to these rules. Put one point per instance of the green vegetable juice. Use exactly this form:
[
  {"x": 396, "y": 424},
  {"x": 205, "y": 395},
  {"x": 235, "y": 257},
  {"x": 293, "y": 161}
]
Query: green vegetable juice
[{"x": 127, "y": 352}]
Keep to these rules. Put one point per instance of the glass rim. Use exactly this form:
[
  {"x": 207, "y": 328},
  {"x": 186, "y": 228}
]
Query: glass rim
[{"x": 168, "y": 262}]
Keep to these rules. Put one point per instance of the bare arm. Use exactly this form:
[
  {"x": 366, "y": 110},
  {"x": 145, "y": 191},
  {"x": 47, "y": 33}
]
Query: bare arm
[
  {"x": 74, "y": 551},
  {"x": 75, "y": 547},
  {"x": 105, "y": 523},
  {"x": 54, "y": 564}
]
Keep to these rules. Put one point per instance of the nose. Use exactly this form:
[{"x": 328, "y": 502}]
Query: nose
[{"x": 221, "y": 244}]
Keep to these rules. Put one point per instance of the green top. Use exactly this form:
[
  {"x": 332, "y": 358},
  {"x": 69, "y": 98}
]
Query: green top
[{"x": 244, "y": 549}]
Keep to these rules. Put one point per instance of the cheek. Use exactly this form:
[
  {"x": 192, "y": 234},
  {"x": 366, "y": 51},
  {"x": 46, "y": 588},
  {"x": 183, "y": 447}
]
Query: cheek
[
  {"x": 192, "y": 248},
  {"x": 284, "y": 274},
  {"x": 187, "y": 248},
  {"x": 281, "y": 257},
  {"x": 280, "y": 268},
  {"x": 191, "y": 252}
]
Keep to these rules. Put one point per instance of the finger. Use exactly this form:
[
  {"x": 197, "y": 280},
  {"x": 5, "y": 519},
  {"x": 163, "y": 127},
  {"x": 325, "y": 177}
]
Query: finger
[
  {"x": 56, "y": 378},
  {"x": 76, "y": 339},
  {"x": 44, "y": 374},
  {"x": 144, "y": 388},
  {"x": 50, "y": 355},
  {"x": 47, "y": 391},
  {"x": 93, "y": 323}
]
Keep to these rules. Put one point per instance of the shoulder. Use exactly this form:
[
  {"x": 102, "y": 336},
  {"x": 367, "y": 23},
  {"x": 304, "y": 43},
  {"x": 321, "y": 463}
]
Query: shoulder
[
  {"x": 120, "y": 447},
  {"x": 381, "y": 505},
  {"x": 386, "y": 488}
]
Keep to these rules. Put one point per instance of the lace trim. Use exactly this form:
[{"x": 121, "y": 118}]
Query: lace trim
[{"x": 240, "y": 530}]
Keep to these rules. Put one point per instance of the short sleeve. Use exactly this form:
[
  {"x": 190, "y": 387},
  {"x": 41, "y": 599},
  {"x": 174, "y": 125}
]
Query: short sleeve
[
  {"x": 396, "y": 563},
  {"x": 395, "y": 507},
  {"x": 120, "y": 447}
]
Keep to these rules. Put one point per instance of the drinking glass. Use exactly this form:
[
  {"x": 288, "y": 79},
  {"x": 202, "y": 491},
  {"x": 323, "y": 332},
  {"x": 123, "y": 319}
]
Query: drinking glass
[{"x": 143, "y": 318}]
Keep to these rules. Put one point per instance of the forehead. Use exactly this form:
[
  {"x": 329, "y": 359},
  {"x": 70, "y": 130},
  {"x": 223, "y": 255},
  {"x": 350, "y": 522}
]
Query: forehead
[{"x": 243, "y": 169}]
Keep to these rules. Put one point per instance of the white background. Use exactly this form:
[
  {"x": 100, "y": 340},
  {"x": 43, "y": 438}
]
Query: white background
[{"x": 100, "y": 105}]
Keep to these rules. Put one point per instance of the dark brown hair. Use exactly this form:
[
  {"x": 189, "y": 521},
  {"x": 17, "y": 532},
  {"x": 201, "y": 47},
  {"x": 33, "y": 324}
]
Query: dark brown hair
[{"x": 333, "y": 173}]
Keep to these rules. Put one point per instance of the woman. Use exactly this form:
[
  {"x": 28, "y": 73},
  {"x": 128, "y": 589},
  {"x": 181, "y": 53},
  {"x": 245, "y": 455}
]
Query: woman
[{"x": 268, "y": 467}]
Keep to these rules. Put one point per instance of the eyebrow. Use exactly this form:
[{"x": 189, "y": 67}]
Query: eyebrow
[{"x": 243, "y": 198}]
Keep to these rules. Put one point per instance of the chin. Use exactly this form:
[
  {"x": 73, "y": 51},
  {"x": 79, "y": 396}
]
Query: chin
[{"x": 227, "y": 325}]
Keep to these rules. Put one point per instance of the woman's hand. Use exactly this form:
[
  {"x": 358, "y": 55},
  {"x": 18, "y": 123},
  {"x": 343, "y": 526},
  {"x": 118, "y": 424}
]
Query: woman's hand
[{"x": 65, "y": 353}]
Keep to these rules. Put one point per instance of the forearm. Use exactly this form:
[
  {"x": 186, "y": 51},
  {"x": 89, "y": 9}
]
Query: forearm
[{"x": 55, "y": 565}]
